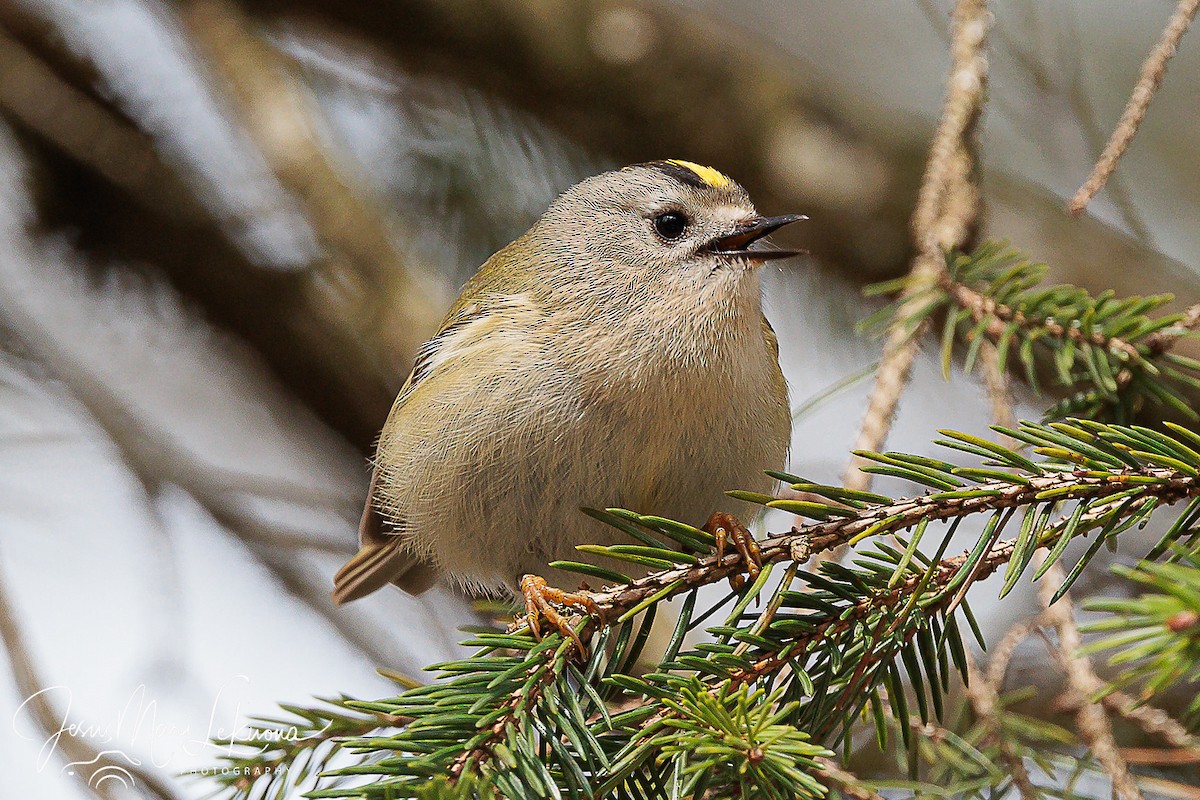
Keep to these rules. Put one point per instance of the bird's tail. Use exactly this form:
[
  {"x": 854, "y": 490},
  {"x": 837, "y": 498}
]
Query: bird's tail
[
  {"x": 381, "y": 559},
  {"x": 377, "y": 564}
]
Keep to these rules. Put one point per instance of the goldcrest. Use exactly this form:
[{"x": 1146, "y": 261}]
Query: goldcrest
[{"x": 616, "y": 354}]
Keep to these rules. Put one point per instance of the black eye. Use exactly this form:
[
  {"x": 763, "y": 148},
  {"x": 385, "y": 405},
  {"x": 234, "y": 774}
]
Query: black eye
[{"x": 670, "y": 224}]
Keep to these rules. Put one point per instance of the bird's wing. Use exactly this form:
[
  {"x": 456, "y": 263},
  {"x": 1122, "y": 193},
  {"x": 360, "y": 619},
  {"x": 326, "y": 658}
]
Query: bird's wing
[
  {"x": 770, "y": 337},
  {"x": 382, "y": 557}
]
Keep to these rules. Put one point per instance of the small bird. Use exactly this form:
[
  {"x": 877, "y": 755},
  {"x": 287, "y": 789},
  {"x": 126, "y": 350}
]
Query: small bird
[{"x": 616, "y": 354}]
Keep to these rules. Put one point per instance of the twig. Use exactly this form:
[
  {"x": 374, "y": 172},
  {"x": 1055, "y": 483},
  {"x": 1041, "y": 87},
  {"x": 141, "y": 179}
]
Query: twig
[
  {"x": 890, "y": 607},
  {"x": 983, "y": 691},
  {"x": 984, "y": 696},
  {"x": 1153, "y": 71},
  {"x": 997, "y": 317},
  {"x": 998, "y": 389},
  {"x": 1153, "y": 721},
  {"x": 366, "y": 281},
  {"x": 947, "y": 206},
  {"x": 539, "y": 675},
  {"x": 1162, "y": 341},
  {"x": 86, "y": 760},
  {"x": 1002, "y": 651},
  {"x": 283, "y": 314},
  {"x": 1161, "y": 756},
  {"x": 850, "y": 784},
  {"x": 1168, "y": 788},
  {"x": 942, "y": 573},
  {"x": 1085, "y": 114},
  {"x": 1095, "y": 728},
  {"x": 900, "y": 515}
]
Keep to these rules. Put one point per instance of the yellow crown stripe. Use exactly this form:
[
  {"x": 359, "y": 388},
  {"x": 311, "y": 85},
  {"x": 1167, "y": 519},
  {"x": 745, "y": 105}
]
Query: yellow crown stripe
[{"x": 710, "y": 176}]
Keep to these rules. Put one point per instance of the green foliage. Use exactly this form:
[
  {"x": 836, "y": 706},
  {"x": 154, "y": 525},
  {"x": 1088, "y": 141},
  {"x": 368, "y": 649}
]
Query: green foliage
[
  {"x": 734, "y": 740},
  {"x": 749, "y": 690},
  {"x": 973, "y": 758},
  {"x": 278, "y": 757},
  {"x": 1156, "y": 636},
  {"x": 469, "y": 788},
  {"x": 1110, "y": 356}
]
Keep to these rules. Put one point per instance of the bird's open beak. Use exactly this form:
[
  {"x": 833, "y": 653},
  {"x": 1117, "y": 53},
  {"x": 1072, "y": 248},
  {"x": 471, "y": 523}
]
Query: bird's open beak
[{"x": 746, "y": 233}]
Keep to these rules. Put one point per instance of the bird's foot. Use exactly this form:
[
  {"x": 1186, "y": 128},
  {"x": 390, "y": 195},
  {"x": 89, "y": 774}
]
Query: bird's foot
[
  {"x": 540, "y": 601},
  {"x": 726, "y": 529}
]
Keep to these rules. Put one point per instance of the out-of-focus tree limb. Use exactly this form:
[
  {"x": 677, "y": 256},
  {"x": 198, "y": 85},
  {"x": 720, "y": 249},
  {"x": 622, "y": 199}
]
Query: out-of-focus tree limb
[
  {"x": 647, "y": 80},
  {"x": 73, "y": 121},
  {"x": 362, "y": 283},
  {"x": 338, "y": 373}
]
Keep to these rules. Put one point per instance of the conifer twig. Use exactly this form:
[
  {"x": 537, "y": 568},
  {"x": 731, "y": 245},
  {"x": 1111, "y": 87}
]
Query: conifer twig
[
  {"x": 1162, "y": 341},
  {"x": 998, "y": 315},
  {"x": 998, "y": 388},
  {"x": 932, "y": 583},
  {"x": 1161, "y": 756},
  {"x": 947, "y": 206},
  {"x": 538, "y": 677},
  {"x": 1169, "y": 788},
  {"x": 984, "y": 696},
  {"x": 992, "y": 291},
  {"x": 983, "y": 690},
  {"x": 519, "y": 691},
  {"x": 1094, "y": 726},
  {"x": 850, "y": 784},
  {"x": 1153, "y": 71},
  {"x": 901, "y": 515},
  {"x": 1153, "y": 721},
  {"x": 1001, "y": 653}
]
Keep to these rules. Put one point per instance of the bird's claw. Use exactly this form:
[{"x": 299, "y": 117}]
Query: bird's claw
[
  {"x": 540, "y": 599},
  {"x": 725, "y": 528}
]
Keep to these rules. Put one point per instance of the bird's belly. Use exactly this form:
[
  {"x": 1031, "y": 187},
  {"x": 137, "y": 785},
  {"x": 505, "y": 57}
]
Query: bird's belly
[
  {"x": 675, "y": 461},
  {"x": 661, "y": 450}
]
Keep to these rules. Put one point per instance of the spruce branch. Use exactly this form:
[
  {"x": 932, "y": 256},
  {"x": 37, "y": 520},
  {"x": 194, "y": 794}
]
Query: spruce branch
[
  {"x": 278, "y": 756},
  {"x": 539, "y": 673},
  {"x": 878, "y": 515},
  {"x": 531, "y": 721},
  {"x": 1110, "y": 354},
  {"x": 1156, "y": 637}
]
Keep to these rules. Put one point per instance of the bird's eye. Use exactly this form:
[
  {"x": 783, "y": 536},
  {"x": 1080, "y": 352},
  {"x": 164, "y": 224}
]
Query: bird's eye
[{"x": 670, "y": 224}]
